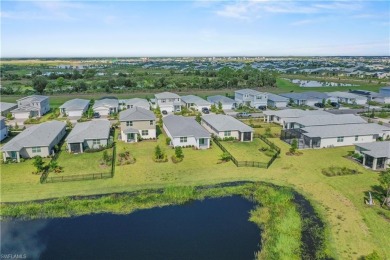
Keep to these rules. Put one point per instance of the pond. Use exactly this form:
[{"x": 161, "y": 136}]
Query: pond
[
  {"x": 318, "y": 84},
  {"x": 208, "y": 229}
]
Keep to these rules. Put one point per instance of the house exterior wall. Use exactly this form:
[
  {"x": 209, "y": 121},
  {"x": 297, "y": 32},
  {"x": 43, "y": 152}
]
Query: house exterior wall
[
  {"x": 103, "y": 111},
  {"x": 169, "y": 104},
  {"x": 89, "y": 143},
  {"x": 221, "y": 134},
  {"x": 3, "y": 133},
  {"x": 75, "y": 112},
  {"x": 251, "y": 100},
  {"x": 277, "y": 104},
  {"x": 140, "y": 125},
  {"x": 28, "y": 153},
  {"x": 348, "y": 140}
]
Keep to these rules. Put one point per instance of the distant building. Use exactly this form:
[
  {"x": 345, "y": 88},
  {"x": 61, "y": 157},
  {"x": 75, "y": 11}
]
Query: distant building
[
  {"x": 74, "y": 107},
  {"x": 276, "y": 101},
  {"x": 168, "y": 101},
  {"x": 251, "y": 98},
  {"x": 308, "y": 98},
  {"x": 134, "y": 102},
  {"x": 192, "y": 101},
  {"x": 348, "y": 98},
  {"x": 106, "y": 106},
  {"x": 137, "y": 123},
  {"x": 31, "y": 106},
  {"x": 227, "y": 103}
]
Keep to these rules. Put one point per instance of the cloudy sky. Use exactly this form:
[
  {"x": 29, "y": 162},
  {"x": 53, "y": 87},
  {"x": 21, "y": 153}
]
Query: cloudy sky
[{"x": 194, "y": 28}]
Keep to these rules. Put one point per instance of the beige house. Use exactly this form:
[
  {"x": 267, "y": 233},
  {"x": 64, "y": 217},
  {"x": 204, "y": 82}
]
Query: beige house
[
  {"x": 137, "y": 123},
  {"x": 36, "y": 140}
]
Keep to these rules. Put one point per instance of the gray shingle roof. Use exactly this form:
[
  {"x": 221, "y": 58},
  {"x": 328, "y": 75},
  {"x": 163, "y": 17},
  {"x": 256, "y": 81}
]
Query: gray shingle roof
[
  {"x": 24, "y": 109},
  {"x": 136, "y": 114},
  {"x": 75, "y": 104},
  {"x": 184, "y": 126},
  {"x": 98, "y": 129},
  {"x": 226, "y": 123},
  {"x": 332, "y": 131},
  {"x": 106, "y": 102},
  {"x": 305, "y": 95},
  {"x": 291, "y": 113},
  {"x": 37, "y": 135},
  {"x": 5, "y": 106},
  {"x": 277, "y": 98},
  {"x": 218, "y": 98},
  {"x": 34, "y": 98},
  {"x": 376, "y": 149},
  {"x": 196, "y": 100},
  {"x": 248, "y": 91},
  {"x": 340, "y": 94},
  {"x": 166, "y": 95},
  {"x": 137, "y": 102},
  {"x": 331, "y": 119}
]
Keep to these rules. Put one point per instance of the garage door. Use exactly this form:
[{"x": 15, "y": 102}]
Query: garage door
[{"x": 75, "y": 113}]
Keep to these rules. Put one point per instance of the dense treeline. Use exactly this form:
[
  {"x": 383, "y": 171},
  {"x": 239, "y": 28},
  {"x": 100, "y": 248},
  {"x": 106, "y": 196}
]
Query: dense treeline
[{"x": 122, "y": 79}]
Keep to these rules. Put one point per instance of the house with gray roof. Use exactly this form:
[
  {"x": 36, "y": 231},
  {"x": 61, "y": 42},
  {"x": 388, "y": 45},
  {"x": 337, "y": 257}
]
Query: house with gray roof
[
  {"x": 195, "y": 102},
  {"x": 3, "y": 129},
  {"x": 185, "y": 131},
  {"x": 372, "y": 96},
  {"x": 36, "y": 140},
  {"x": 335, "y": 135},
  {"x": 251, "y": 98},
  {"x": 74, "y": 107},
  {"x": 348, "y": 98},
  {"x": 31, "y": 106},
  {"x": 88, "y": 135},
  {"x": 106, "y": 106},
  {"x": 227, "y": 103},
  {"x": 6, "y": 108},
  {"x": 137, "y": 123},
  {"x": 385, "y": 91},
  {"x": 168, "y": 101},
  {"x": 224, "y": 126},
  {"x": 376, "y": 155},
  {"x": 276, "y": 101},
  {"x": 308, "y": 98},
  {"x": 134, "y": 102},
  {"x": 279, "y": 116},
  {"x": 322, "y": 120}
]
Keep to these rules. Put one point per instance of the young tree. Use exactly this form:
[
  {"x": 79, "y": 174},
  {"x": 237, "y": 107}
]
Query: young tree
[
  {"x": 158, "y": 154},
  {"x": 219, "y": 105},
  {"x": 38, "y": 163},
  {"x": 179, "y": 152},
  {"x": 198, "y": 118},
  {"x": 294, "y": 146},
  {"x": 384, "y": 179}
]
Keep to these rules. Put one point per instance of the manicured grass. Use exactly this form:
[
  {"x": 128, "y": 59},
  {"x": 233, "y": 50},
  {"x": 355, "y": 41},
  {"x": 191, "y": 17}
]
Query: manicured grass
[
  {"x": 354, "y": 228},
  {"x": 247, "y": 151}
]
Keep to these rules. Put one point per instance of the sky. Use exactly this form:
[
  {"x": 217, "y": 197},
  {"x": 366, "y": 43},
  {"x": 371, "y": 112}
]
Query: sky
[{"x": 194, "y": 28}]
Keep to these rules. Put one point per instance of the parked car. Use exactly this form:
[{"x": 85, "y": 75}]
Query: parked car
[
  {"x": 320, "y": 105},
  {"x": 244, "y": 114},
  {"x": 205, "y": 110},
  {"x": 335, "y": 104},
  {"x": 164, "y": 112},
  {"x": 96, "y": 115}
]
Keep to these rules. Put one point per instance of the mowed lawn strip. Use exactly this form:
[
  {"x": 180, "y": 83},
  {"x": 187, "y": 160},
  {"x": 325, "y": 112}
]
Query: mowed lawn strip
[{"x": 247, "y": 151}]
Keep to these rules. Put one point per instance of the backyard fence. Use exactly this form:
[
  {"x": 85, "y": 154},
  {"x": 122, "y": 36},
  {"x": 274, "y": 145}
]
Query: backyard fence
[
  {"x": 252, "y": 163},
  {"x": 45, "y": 178}
]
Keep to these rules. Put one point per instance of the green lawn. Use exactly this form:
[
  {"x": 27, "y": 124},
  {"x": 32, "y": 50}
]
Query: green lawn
[
  {"x": 354, "y": 228},
  {"x": 247, "y": 151}
]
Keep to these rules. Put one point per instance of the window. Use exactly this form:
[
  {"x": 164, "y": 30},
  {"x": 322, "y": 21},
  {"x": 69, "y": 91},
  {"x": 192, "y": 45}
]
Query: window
[
  {"x": 36, "y": 149},
  {"x": 96, "y": 142},
  {"x": 145, "y": 132},
  {"x": 163, "y": 100},
  {"x": 129, "y": 123},
  {"x": 151, "y": 122},
  {"x": 356, "y": 137},
  {"x": 183, "y": 139},
  {"x": 340, "y": 139},
  {"x": 228, "y": 133}
]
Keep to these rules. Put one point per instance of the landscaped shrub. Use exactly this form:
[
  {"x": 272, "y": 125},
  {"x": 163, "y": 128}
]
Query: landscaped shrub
[
  {"x": 125, "y": 158},
  {"x": 230, "y": 138},
  {"x": 357, "y": 156},
  {"x": 168, "y": 141},
  {"x": 106, "y": 159},
  {"x": 339, "y": 171},
  {"x": 159, "y": 155},
  {"x": 225, "y": 157},
  {"x": 179, "y": 156}
]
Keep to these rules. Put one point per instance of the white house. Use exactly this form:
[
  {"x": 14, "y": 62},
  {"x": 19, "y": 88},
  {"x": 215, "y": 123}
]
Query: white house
[
  {"x": 6, "y": 108},
  {"x": 349, "y": 98},
  {"x": 251, "y": 98},
  {"x": 279, "y": 116},
  {"x": 74, "y": 107},
  {"x": 106, "y": 106},
  {"x": 168, "y": 101},
  {"x": 134, "y": 102},
  {"x": 137, "y": 123},
  {"x": 88, "y": 135},
  {"x": 3, "y": 129},
  {"x": 225, "y": 126},
  {"x": 185, "y": 131},
  {"x": 192, "y": 101},
  {"x": 276, "y": 101},
  {"x": 36, "y": 140},
  {"x": 308, "y": 98},
  {"x": 322, "y": 120},
  {"x": 376, "y": 155},
  {"x": 31, "y": 106},
  {"x": 227, "y": 103}
]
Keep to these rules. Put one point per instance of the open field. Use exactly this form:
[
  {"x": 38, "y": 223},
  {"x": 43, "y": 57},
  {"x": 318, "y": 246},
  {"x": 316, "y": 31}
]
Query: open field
[
  {"x": 354, "y": 228},
  {"x": 248, "y": 151}
]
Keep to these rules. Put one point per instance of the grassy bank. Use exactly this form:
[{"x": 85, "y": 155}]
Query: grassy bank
[{"x": 278, "y": 216}]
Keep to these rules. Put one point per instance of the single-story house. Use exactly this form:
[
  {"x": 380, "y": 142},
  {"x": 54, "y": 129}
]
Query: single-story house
[
  {"x": 376, "y": 155},
  {"x": 333, "y": 136},
  {"x": 225, "y": 126},
  {"x": 308, "y": 98},
  {"x": 251, "y": 98},
  {"x": 192, "y": 101},
  {"x": 276, "y": 101},
  {"x": 372, "y": 96},
  {"x": 36, "y": 140},
  {"x": 349, "y": 98},
  {"x": 168, "y": 101},
  {"x": 88, "y": 135},
  {"x": 106, "y": 106},
  {"x": 31, "y": 106},
  {"x": 6, "y": 108},
  {"x": 74, "y": 107},
  {"x": 185, "y": 131},
  {"x": 272, "y": 116},
  {"x": 134, "y": 102},
  {"x": 137, "y": 123},
  {"x": 3, "y": 129},
  {"x": 227, "y": 103},
  {"x": 322, "y": 120}
]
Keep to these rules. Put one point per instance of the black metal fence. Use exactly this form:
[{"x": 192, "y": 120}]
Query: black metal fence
[{"x": 265, "y": 165}]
